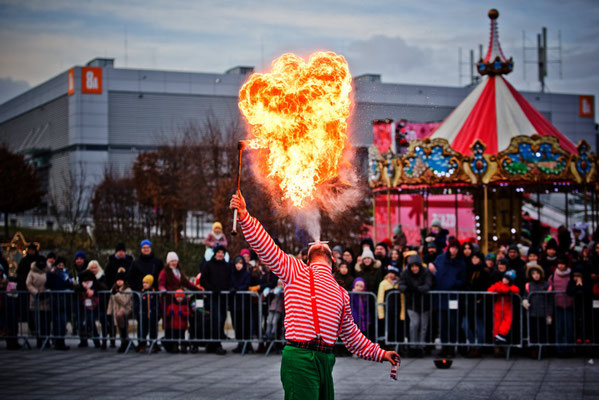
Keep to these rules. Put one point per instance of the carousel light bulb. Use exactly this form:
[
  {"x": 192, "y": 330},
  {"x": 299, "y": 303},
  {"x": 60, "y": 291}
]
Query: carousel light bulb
[
  {"x": 494, "y": 238},
  {"x": 538, "y": 154},
  {"x": 478, "y": 224},
  {"x": 478, "y": 231},
  {"x": 477, "y": 217},
  {"x": 513, "y": 230},
  {"x": 478, "y": 238}
]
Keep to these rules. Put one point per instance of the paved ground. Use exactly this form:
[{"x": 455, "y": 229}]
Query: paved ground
[{"x": 90, "y": 374}]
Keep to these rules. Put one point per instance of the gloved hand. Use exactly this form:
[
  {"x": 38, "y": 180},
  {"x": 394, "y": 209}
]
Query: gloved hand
[
  {"x": 180, "y": 312},
  {"x": 114, "y": 290},
  {"x": 254, "y": 288},
  {"x": 171, "y": 312},
  {"x": 266, "y": 292},
  {"x": 525, "y": 303},
  {"x": 549, "y": 319},
  {"x": 277, "y": 290}
]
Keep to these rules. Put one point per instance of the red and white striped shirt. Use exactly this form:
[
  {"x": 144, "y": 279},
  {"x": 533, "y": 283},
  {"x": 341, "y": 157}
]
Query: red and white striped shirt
[{"x": 332, "y": 301}]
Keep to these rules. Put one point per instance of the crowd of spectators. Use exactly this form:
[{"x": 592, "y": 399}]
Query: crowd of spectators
[{"x": 396, "y": 289}]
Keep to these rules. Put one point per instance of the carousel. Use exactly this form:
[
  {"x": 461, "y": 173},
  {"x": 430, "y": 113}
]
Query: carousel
[{"x": 493, "y": 152}]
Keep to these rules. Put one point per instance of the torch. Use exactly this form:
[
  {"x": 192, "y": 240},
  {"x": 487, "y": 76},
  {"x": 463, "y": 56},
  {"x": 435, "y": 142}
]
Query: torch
[{"x": 240, "y": 147}]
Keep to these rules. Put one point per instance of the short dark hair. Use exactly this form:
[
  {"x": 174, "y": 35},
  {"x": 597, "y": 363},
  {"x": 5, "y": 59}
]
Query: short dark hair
[{"x": 320, "y": 251}]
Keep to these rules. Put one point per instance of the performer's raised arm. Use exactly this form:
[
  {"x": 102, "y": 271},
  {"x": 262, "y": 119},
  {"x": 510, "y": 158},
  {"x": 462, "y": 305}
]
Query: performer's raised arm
[{"x": 283, "y": 265}]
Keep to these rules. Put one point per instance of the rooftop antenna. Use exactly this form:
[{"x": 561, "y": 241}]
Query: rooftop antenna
[{"x": 542, "y": 60}]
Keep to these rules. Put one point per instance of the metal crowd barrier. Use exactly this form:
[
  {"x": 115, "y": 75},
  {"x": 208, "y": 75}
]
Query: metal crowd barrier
[
  {"x": 437, "y": 318},
  {"x": 452, "y": 319},
  {"x": 555, "y": 319}
]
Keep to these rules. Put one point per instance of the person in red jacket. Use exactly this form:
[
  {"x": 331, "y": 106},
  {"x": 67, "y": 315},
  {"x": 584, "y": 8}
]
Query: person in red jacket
[
  {"x": 503, "y": 305},
  {"x": 177, "y": 316}
]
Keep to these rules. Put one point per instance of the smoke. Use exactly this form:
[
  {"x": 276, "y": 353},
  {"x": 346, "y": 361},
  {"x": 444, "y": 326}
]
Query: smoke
[{"x": 309, "y": 219}]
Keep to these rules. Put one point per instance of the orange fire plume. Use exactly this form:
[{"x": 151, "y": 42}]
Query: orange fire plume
[{"x": 298, "y": 115}]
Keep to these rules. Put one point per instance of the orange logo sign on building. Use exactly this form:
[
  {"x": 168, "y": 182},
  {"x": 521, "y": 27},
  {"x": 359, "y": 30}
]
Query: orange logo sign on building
[
  {"x": 71, "y": 82},
  {"x": 91, "y": 80},
  {"x": 586, "y": 106}
]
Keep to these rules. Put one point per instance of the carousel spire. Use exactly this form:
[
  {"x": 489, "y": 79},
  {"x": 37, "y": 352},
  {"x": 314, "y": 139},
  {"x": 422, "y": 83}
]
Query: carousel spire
[{"x": 494, "y": 63}]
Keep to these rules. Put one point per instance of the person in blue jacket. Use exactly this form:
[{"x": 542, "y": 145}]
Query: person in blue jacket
[{"x": 449, "y": 271}]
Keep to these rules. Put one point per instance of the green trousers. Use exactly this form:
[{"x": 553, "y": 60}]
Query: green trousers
[{"x": 307, "y": 374}]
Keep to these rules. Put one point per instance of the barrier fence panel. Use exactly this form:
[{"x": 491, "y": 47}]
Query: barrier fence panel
[
  {"x": 452, "y": 318},
  {"x": 557, "y": 319},
  {"x": 17, "y": 317}
]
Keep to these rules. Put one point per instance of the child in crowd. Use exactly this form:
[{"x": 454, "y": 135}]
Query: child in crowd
[
  {"x": 88, "y": 297},
  {"x": 343, "y": 277},
  {"x": 177, "y": 314},
  {"x": 119, "y": 307},
  {"x": 275, "y": 311},
  {"x": 213, "y": 239},
  {"x": 414, "y": 282},
  {"x": 539, "y": 305},
  {"x": 502, "y": 322},
  {"x": 58, "y": 279},
  {"x": 389, "y": 283},
  {"x": 564, "y": 307},
  {"x": 149, "y": 314},
  {"x": 360, "y": 306}
]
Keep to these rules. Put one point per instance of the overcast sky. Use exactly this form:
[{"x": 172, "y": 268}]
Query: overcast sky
[{"x": 404, "y": 41}]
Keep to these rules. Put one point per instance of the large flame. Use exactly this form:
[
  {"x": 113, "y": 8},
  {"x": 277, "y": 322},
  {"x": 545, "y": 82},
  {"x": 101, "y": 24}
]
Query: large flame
[{"x": 298, "y": 115}]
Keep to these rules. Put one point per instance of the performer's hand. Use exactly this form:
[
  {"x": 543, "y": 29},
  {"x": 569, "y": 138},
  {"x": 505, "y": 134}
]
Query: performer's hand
[
  {"x": 391, "y": 356},
  {"x": 238, "y": 202}
]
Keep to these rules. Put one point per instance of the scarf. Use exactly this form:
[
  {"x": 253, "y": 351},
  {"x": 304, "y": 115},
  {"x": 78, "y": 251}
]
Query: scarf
[
  {"x": 176, "y": 272},
  {"x": 563, "y": 273}
]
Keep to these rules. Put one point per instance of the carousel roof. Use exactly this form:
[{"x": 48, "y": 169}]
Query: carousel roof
[{"x": 495, "y": 112}]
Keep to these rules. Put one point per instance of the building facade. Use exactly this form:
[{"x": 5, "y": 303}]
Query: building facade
[{"x": 95, "y": 117}]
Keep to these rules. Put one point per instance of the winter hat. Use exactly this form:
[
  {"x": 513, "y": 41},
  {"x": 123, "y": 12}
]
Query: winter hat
[
  {"x": 171, "y": 256},
  {"x": 217, "y": 225},
  {"x": 478, "y": 254},
  {"x": 414, "y": 259},
  {"x": 180, "y": 294},
  {"x": 491, "y": 256},
  {"x": 367, "y": 253},
  {"x": 510, "y": 275},
  {"x": 454, "y": 243},
  {"x": 534, "y": 267},
  {"x": 145, "y": 242},
  {"x": 239, "y": 259},
  {"x": 86, "y": 275},
  {"x": 244, "y": 252},
  {"x": 367, "y": 241},
  {"x": 503, "y": 261},
  {"x": 397, "y": 230},
  {"x": 220, "y": 247},
  {"x": 551, "y": 244},
  {"x": 61, "y": 260},
  {"x": 51, "y": 255},
  {"x": 388, "y": 242},
  {"x": 476, "y": 249},
  {"x": 513, "y": 247},
  {"x": 149, "y": 279},
  {"x": 393, "y": 269},
  {"x": 356, "y": 281},
  {"x": 533, "y": 250},
  {"x": 120, "y": 247},
  {"x": 436, "y": 223},
  {"x": 431, "y": 245},
  {"x": 383, "y": 244},
  {"x": 121, "y": 274},
  {"x": 79, "y": 254},
  {"x": 338, "y": 249}
]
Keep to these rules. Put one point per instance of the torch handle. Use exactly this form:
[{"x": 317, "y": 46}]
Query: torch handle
[{"x": 234, "y": 231}]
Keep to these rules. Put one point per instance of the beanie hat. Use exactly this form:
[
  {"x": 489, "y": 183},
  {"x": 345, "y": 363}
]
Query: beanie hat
[
  {"x": 217, "y": 225},
  {"x": 356, "y": 281},
  {"x": 503, "y": 261},
  {"x": 149, "y": 279},
  {"x": 121, "y": 274},
  {"x": 436, "y": 223},
  {"x": 513, "y": 247},
  {"x": 180, "y": 294},
  {"x": 338, "y": 249},
  {"x": 368, "y": 241},
  {"x": 171, "y": 256},
  {"x": 120, "y": 247},
  {"x": 382, "y": 244},
  {"x": 397, "y": 230},
  {"x": 239, "y": 259},
  {"x": 510, "y": 275},
  {"x": 393, "y": 269},
  {"x": 414, "y": 259},
  {"x": 79, "y": 254},
  {"x": 145, "y": 242},
  {"x": 244, "y": 252},
  {"x": 431, "y": 245},
  {"x": 491, "y": 256},
  {"x": 220, "y": 247},
  {"x": 60, "y": 260},
  {"x": 367, "y": 253},
  {"x": 388, "y": 242},
  {"x": 476, "y": 249},
  {"x": 551, "y": 244}
]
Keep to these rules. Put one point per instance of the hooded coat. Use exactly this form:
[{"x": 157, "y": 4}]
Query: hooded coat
[
  {"x": 372, "y": 275},
  {"x": 36, "y": 283}
]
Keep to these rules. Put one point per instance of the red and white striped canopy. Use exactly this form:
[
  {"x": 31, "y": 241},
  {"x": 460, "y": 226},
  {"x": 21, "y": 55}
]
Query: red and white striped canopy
[{"x": 495, "y": 112}]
